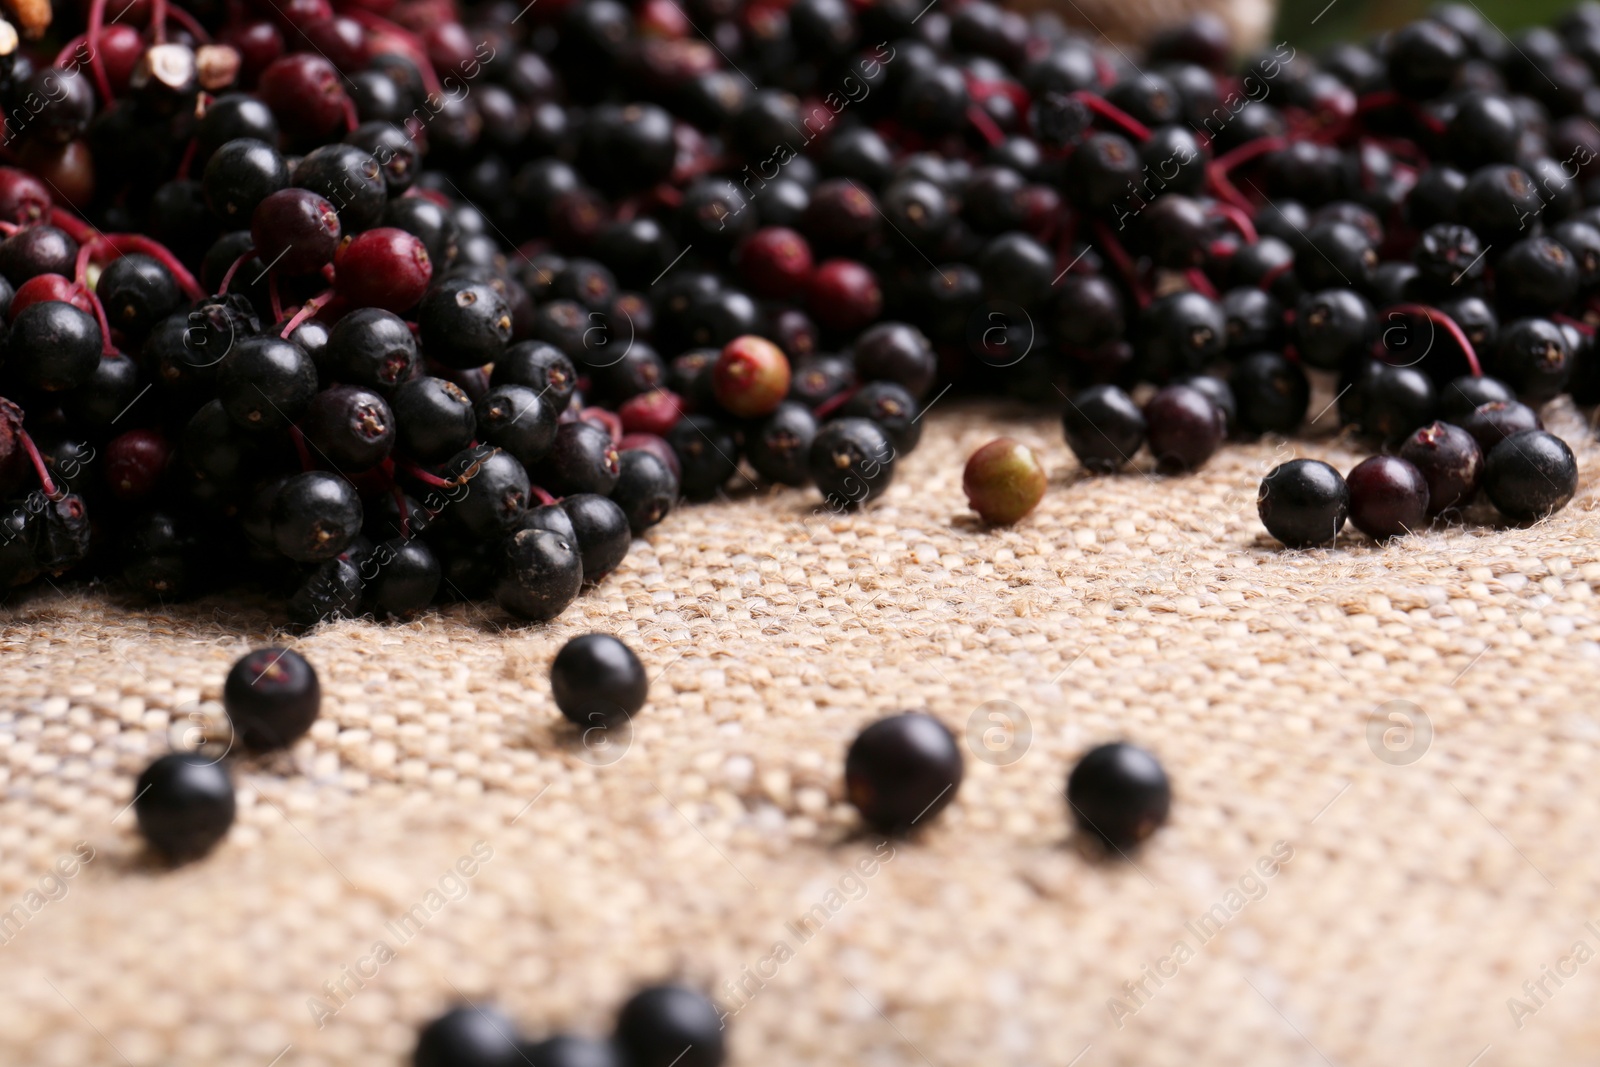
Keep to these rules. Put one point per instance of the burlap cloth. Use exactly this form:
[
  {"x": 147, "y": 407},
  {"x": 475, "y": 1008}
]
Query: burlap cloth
[{"x": 1417, "y": 899}]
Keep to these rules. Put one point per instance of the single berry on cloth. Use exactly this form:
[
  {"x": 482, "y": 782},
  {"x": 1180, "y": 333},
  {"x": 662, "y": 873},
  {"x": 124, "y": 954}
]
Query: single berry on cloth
[
  {"x": 1104, "y": 428},
  {"x": 468, "y": 1036},
  {"x": 671, "y": 1026},
  {"x": 750, "y": 377},
  {"x": 1388, "y": 497},
  {"x": 184, "y": 803},
  {"x": 902, "y": 771},
  {"x": 1119, "y": 795},
  {"x": 1530, "y": 475},
  {"x": 1303, "y": 503},
  {"x": 1003, "y": 480},
  {"x": 272, "y": 697},
  {"x": 598, "y": 681},
  {"x": 1449, "y": 460}
]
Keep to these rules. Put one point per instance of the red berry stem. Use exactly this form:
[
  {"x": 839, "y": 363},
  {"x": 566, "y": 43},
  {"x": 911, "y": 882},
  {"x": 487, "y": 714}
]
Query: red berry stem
[
  {"x": 187, "y": 162},
  {"x": 1124, "y": 262},
  {"x": 190, "y": 23},
  {"x": 1107, "y": 110},
  {"x": 984, "y": 124},
  {"x": 423, "y": 476},
  {"x": 8, "y": 228},
  {"x": 124, "y": 243},
  {"x": 76, "y": 228},
  {"x": 80, "y": 269},
  {"x": 97, "y": 62},
  {"x": 299, "y": 440},
  {"x": 1440, "y": 319},
  {"x": 541, "y": 495},
  {"x": 400, "y": 504},
  {"x": 834, "y": 403},
  {"x": 311, "y": 307},
  {"x": 411, "y": 42},
  {"x": 39, "y": 467},
  {"x": 158, "y": 20},
  {"x": 1577, "y": 324},
  {"x": 64, "y": 56},
  {"x": 1201, "y": 283},
  {"x": 272, "y": 294},
  {"x": 222, "y": 290},
  {"x": 1240, "y": 220},
  {"x": 608, "y": 420}
]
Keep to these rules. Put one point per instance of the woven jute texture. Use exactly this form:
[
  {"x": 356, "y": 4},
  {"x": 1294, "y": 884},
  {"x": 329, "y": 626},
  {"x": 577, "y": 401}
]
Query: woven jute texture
[{"x": 1385, "y": 815}]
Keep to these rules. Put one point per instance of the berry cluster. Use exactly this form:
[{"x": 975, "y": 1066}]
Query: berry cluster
[{"x": 391, "y": 307}]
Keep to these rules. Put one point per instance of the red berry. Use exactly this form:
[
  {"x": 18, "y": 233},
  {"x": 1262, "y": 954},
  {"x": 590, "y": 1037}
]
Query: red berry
[
  {"x": 653, "y": 412},
  {"x": 134, "y": 462},
  {"x": 1004, "y": 480},
  {"x": 295, "y": 231},
  {"x": 656, "y": 446},
  {"x": 24, "y": 199},
  {"x": 306, "y": 95},
  {"x": 43, "y": 287},
  {"x": 341, "y": 40},
  {"x": 750, "y": 377},
  {"x": 450, "y": 47},
  {"x": 775, "y": 262},
  {"x": 259, "y": 44},
  {"x": 845, "y": 295},
  {"x": 384, "y": 268},
  {"x": 120, "y": 46}
]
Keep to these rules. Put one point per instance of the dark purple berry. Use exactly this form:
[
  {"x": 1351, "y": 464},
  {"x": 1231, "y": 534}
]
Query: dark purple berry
[
  {"x": 1450, "y": 462},
  {"x": 1119, "y": 795},
  {"x": 185, "y": 805},
  {"x": 272, "y": 697},
  {"x": 1303, "y": 503},
  {"x": 598, "y": 681},
  {"x": 1530, "y": 475},
  {"x": 1388, "y": 496},
  {"x": 902, "y": 771}
]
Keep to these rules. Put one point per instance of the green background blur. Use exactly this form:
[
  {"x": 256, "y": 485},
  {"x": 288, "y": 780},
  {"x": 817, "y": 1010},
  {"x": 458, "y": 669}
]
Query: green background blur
[{"x": 1358, "y": 18}]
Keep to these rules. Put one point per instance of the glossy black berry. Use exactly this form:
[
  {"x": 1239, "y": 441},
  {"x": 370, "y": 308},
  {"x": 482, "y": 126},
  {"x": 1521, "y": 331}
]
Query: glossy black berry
[
  {"x": 315, "y": 516},
  {"x": 266, "y": 383},
  {"x": 1104, "y": 428},
  {"x": 1253, "y": 320},
  {"x": 598, "y": 681},
  {"x": 272, "y": 697},
  {"x": 496, "y": 490},
  {"x": 541, "y": 574},
  {"x": 464, "y": 323},
  {"x": 1449, "y": 460},
  {"x": 892, "y": 408},
  {"x": 646, "y": 488},
  {"x": 1423, "y": 58},
  {"x": 666, "y": 1025},
  {"x": 779, "y": 446},
  {"x": 184, "y": 802},
  {"x": 52, "y": 346},
  {"x": 601, "y": 528},
  {"x": 582, "y": 459},
  {"x": 1303, "y": 503},
  {"x": 1447, "y": 254},
  {"x": 1492, "y": 422},
  {"x": 515, "y": 418},
  {"x": 350, "y": 179},
  {"x": 568, "y": 1050},
  {"x": 1530, "y": 475},
  {"x": 1272, "y": 393},
  {"x": 1184, "y": 428},
  {"x": 434, "y": 419},
  {"x": 1533, "y": 357},
  {"x": 541, "y": 367},
  {"x": 902, "y": 771},
  {"x": 468, "y": 1036},
  {"x": 895, "y": 352},
  {"x": 1119, "y": 795},
  {"x": 1395, "y": 401},
  {"x": 1537, "y": 275},
  {"x": 137, "y": 292},
  {"x": 1499, "y": 203},
  {"x": 1388, "y": 497},
  {"x": 1462, "y": 396},
  {"x": 1180, "y": 334},
  {"x": 351, "y": 427},
  {"x": 402, "y": 574},
  {"x": 374, "y": 348},
  {"x": 239, "y": 175},
  {"x": 852, "y": 461},
  {"x": 708, "y": 455}
]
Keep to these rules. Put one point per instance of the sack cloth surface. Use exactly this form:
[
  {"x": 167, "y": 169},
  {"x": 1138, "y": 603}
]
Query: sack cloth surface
[{"x": 1382, "y": 846}]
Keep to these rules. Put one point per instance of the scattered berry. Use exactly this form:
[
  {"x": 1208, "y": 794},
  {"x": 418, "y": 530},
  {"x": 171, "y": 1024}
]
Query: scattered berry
[
  {"x": 272, "y": 697},
  {"x": 1388, "y": 496},
  {"x": 1004, "y": 481},
  {"x": 1119, "y": 795},
  {"x": 1303, "y": 503},
  {"x": 184, "y": 802},
  {"x": 902, "y": 771},
  {"x": 598, "y": 681}
]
